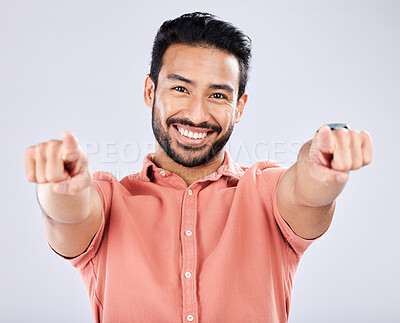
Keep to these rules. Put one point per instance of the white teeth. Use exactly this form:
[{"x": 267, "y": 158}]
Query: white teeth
[{"x": 191, "y": 135}]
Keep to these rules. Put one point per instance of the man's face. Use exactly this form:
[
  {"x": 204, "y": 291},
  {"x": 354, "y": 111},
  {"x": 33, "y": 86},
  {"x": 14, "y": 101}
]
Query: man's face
[{"x": 195, "y": 105}]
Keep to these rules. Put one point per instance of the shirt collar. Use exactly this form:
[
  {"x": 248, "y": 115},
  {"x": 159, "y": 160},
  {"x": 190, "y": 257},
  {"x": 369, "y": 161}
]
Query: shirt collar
[{"x": 228, "y": 168}]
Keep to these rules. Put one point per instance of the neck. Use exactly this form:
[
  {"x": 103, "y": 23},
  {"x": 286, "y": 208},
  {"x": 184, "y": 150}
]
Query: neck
[{"x": 188, "y": 174}]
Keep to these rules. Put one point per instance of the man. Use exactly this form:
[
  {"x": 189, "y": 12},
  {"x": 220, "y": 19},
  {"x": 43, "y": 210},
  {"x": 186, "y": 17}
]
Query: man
[{"x": 193, "y": 237}]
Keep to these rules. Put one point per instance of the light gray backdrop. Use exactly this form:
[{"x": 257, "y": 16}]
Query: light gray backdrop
[{"x": 80, "y": 66}]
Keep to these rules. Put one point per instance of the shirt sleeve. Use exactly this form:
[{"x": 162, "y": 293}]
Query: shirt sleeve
[
  {"x": 271, "y": 178},
  {"x": 103, "y": 182}
]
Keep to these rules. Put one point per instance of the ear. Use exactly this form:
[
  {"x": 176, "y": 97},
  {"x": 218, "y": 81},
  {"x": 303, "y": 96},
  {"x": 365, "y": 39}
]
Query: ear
[
  {"x": 240, "y": 107},
  {"x": 148, "y": 91}
]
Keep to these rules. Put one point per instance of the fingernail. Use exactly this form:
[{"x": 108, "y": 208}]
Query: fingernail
[{"x": 61, "y": 188}]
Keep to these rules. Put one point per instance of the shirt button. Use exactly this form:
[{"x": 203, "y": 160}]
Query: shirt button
[
  {"x": 188, "y": 274},
  {"x": 190, "y": 318},
  {"x": 162, "y": 173},
  {"x": 190, "y": 192},
  {"x": 188, "y": 233}
]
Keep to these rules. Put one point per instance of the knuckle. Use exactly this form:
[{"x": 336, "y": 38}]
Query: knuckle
[
  {"x": 41, "y": 146},
  {"x": 366, "y": 137},
  {"x": 41, "y": 150},
  {"x": 341, "y": 132},
  {"x": 29, "y": 151},
  {"x": 355, "y": 135},
  {"x": 53, "y": 144},
  {"x": 365, "y": 134}
]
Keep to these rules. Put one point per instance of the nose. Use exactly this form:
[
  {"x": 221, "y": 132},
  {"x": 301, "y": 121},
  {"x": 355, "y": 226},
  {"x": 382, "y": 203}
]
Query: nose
[{"x": 197, "y": 110}]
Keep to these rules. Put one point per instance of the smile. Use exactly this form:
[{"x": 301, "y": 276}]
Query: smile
[
  {"x": 192, "y": 136},
  {"x": 189, "y": 134}
]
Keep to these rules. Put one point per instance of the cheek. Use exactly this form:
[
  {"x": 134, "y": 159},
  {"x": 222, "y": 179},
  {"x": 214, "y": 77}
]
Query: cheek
[
  {"x": 169, "y": 106},
  {"x": 225, "y": 118},
  {"x": 163, "y": 110}
]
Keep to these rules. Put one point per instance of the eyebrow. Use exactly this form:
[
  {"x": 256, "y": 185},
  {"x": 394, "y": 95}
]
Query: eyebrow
[
  {"x": 178, "y": 77},
  {"x": 225, "y": 87}
]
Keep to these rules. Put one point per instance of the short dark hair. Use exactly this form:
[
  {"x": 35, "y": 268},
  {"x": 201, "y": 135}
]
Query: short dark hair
[{"x": 202, "y": 29}]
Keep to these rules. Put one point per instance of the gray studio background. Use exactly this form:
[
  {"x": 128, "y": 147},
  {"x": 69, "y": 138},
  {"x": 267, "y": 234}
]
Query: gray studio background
[{"x": 80, "y": 66}]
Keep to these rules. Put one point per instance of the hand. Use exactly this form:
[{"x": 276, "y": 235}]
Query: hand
[
  {"x": 63, "y": 163},
  {"x": 333, "y": 153}
]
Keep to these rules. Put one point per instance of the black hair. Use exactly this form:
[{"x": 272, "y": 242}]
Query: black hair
[{"x": 202, "y": 29}]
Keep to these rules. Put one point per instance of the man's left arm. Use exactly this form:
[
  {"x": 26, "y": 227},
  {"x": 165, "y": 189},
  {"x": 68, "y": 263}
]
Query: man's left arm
[{"x": 308, "y": 190}]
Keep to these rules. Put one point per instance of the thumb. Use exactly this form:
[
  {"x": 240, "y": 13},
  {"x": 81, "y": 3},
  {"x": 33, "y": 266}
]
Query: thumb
[
  {"x": 73, "y": 185},
  {"x": 323, "y": 148}
]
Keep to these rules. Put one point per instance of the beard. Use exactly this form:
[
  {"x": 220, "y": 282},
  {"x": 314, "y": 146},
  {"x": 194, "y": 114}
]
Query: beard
[{"x": 186, "y": 155}]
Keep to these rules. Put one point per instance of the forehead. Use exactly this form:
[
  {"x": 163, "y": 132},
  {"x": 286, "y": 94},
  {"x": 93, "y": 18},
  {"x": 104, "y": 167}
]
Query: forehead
[{"x": 201, "y": 64}]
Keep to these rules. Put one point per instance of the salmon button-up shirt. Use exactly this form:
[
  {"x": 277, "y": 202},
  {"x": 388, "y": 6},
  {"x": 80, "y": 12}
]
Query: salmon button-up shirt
[{"x": 215, "y": 251}]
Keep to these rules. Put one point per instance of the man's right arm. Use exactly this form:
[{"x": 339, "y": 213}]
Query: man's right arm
[{"x": 71, "y": 205}]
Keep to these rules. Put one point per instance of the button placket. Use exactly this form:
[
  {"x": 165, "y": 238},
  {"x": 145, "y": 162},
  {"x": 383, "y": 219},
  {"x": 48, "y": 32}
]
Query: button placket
[{"x": 189, "y": 255}]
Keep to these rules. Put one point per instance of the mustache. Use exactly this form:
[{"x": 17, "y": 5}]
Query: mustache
[{"x": 187, "y": 122}]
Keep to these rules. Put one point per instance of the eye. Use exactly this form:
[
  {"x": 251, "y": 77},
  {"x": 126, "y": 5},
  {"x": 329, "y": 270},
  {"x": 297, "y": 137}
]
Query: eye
[
  {"x": 219, "y": 96},
  {"x": 179, "y": 89}
]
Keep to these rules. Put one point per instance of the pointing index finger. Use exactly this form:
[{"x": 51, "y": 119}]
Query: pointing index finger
[
  {"x": 70, "y": 144},
  {"x": 324, "y": 141}
]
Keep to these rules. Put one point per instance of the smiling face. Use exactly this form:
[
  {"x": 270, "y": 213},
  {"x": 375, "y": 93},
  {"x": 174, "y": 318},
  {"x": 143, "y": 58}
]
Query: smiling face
[{"x": 195, "y": 104}]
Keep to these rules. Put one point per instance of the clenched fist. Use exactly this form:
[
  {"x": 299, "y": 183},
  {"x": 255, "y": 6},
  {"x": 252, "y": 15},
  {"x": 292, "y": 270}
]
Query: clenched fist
[
  {"x": 308, "y": 190},
  {"x": 62, "y": 162},
  {"x": 333, "y": 153}
]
